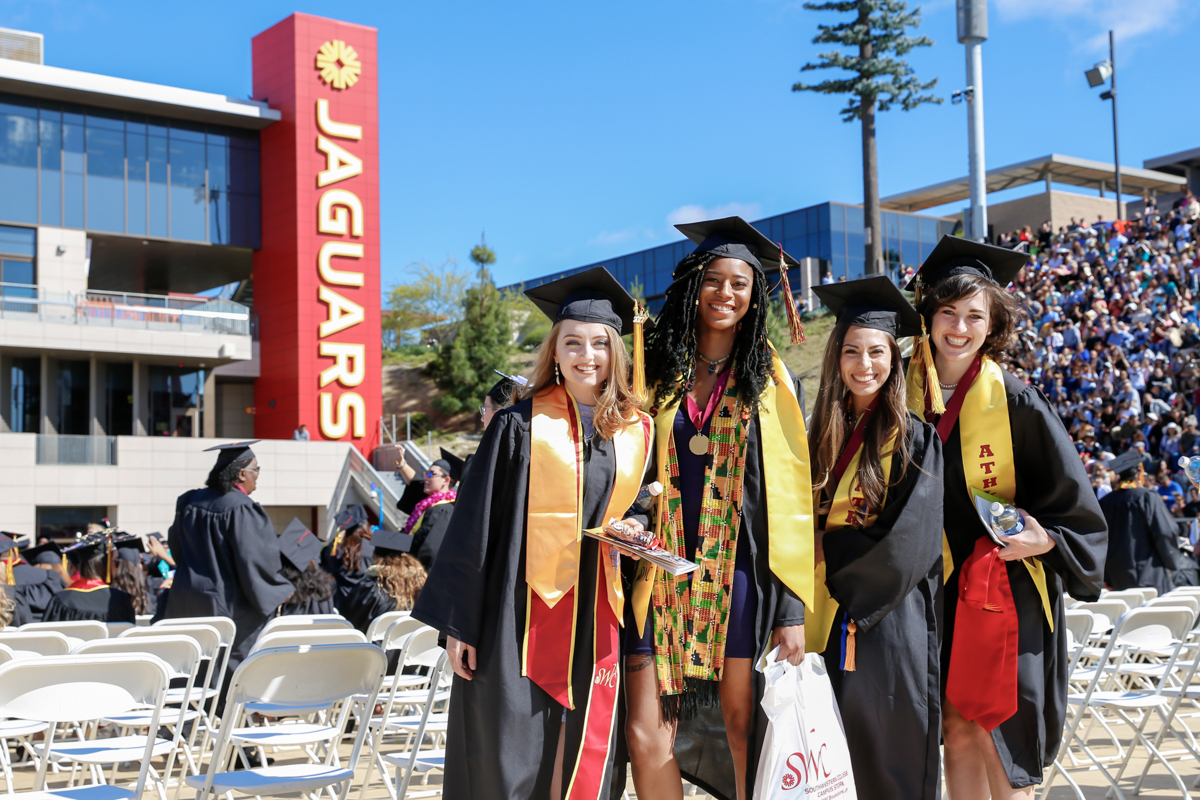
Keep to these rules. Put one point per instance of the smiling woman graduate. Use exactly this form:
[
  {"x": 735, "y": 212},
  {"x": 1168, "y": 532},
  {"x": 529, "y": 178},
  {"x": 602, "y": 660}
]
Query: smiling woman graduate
[
  {"x": 877, "y": 471},
  {"x": 530, "y": 607},
  {"x": 1004, "y": 672}
]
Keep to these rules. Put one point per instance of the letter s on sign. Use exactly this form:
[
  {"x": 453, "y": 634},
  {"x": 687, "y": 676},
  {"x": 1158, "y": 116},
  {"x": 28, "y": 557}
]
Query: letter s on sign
[{"x": 335, "y": 426}]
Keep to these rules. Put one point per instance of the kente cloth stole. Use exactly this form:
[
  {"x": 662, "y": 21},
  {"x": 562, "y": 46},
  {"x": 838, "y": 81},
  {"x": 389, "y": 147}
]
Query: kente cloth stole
[{"x": 848, "y": 508}]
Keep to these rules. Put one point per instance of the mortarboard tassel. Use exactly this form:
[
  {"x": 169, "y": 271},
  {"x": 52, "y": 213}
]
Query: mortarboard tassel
[
  {"x": 933, "y": 386},
  {"x": 793, "y": 316},
  {"x": 66, "y": 569},
  {"x": 337, "y": 540},
  {"x": 108, "y": 561},
  {"x": 640, "y": 315},
  {"x": 8, "y": 570}
]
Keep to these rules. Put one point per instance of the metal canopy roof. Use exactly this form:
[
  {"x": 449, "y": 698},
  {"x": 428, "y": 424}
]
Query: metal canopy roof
[
  {"x": 1174, "y": 163},
  {"x": 1054, "y": 167},
  {"x": 72, "y": 86}
]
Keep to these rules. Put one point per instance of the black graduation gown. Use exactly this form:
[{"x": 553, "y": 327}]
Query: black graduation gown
[
  {"x": 347, "y": 579},
  {"x": 888, "y": 579},
  {"x": 1143, "y": 543},
  {"x": 427, "y": 541},
  {"x": 36, "y": 587},
  {"x": 414, "y": 492},
  {"x": 103, "y": 604},
  {"x": 311, "y": 605},
  {"x": 366, "y": 602},
  {"x": 1054, "y": 488},
  {"x": 503, "y": 728},
  {"x": 226, "y": 564}
]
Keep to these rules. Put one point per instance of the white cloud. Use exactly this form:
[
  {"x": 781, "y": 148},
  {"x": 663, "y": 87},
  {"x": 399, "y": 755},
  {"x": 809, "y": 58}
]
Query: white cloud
[
  {"x": 1092, "y": 19},
  {"x": 694, "y": 213}
]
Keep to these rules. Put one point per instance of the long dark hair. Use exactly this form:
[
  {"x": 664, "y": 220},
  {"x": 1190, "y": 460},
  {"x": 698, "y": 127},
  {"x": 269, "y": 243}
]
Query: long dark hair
[
  {"x": 833, "y": 421},
  {"x": 90, "y": 567},
  {"x": 130, "y": 579},
  {"x": 671, "y": 346},
  {"x": 351, "y": 549},
  {"x": 312, "y": 583}
]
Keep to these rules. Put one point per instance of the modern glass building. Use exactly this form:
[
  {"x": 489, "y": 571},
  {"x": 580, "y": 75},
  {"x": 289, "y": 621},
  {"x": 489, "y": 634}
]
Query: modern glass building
[{"x": 829, "y": 233}]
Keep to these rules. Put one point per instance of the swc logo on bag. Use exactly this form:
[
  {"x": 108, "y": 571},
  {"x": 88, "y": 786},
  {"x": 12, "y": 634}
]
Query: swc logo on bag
[{"x": 806, "y": 770}]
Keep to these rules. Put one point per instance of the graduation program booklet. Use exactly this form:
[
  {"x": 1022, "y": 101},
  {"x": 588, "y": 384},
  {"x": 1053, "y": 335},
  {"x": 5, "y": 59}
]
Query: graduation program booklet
[
  {"x": 983, "y": 505},
  {"x": 657, "y": 556}
]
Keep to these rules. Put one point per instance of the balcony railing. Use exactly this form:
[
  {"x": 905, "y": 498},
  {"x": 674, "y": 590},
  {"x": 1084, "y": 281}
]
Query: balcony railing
[
  {"x": 124, "y": 310},
  {"x": 65, "y": 449}
]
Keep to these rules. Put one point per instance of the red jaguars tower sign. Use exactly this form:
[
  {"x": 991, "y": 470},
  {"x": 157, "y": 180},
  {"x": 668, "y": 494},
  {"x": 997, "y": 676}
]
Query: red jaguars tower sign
[{"x": 316, "y": 278}]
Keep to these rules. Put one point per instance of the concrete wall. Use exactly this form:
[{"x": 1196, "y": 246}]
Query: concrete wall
[
  {"x": 90, "y": 337},
  {"x": 1058, "y": 207},
  {"x": 62, "y": 273},
  {"x": 231, "y": 417},
  {"x": 153, "y": 471}
]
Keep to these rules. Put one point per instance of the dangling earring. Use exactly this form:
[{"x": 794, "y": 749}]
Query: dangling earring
[
  {"x": 557, "y": 376},
  {"x": 754, "y": 306}
]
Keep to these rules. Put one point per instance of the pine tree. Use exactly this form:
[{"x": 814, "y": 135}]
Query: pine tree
[{"x": 879, "y": 81}]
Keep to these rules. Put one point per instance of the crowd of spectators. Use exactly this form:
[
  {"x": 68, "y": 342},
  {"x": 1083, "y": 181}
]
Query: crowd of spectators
[{"x": 1111, "y": 335}]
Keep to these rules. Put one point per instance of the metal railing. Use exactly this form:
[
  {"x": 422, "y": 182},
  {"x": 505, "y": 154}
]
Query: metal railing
[
  {"x": 53, "y": 448},
  {"x": 124, "y": 310}
]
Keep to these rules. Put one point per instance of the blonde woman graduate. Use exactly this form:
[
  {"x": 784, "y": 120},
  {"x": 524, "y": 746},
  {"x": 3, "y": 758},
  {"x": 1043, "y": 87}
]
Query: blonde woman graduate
[
  {"x": 1004, "y": 659},
  {"x": 732, "y": 454},
  {"x": 877, "y": 472},
  {"x": 530, "y": 608}
]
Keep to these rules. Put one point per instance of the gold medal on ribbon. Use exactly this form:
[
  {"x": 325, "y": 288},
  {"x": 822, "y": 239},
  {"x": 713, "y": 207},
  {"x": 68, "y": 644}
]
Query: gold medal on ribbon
[{"x": 699, "y": 444}]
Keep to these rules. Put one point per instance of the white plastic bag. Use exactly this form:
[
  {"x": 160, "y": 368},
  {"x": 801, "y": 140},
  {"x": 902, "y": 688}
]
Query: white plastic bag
[{"x": 804, "y": 753}]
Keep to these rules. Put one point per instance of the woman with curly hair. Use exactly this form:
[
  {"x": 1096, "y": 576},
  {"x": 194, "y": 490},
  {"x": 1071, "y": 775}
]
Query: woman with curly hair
[
  {"x": 530, "y": 607},
  {"x": 877, "y": 471},
  {"x": 393, "y": 581},
  {"x": 1004, "y": 667},
  {"x": 732, "y": 456}
]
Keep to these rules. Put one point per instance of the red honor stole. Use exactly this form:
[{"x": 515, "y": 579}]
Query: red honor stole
[{"x": 554, "y": 525}]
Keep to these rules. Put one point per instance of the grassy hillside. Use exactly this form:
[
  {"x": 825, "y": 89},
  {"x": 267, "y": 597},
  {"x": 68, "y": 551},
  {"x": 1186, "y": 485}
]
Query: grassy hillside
[{"x": 805, "y": 359}]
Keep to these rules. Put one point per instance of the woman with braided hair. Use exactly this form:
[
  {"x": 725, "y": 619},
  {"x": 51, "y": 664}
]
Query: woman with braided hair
[{"x": 732, "y": 455}]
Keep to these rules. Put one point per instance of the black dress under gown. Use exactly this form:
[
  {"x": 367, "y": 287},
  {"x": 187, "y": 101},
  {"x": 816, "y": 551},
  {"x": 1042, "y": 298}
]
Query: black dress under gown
[
  {"x": 503, "y": 728},
  {"x": 1054, "y": 488},
  {"x": 103, "y": 604},
  {"x": 888, "y": 579}
]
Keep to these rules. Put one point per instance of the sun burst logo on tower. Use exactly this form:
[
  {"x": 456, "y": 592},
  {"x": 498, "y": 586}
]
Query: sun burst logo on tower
[{"x": 339, "y": 64}]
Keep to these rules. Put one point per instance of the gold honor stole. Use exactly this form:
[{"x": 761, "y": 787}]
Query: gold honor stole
[
  {"x": 848, "y": 508},
  {"x": 554, "y": 525},
  {"x": 787, "y": 478},
  {"x": 987, "y": 454}
]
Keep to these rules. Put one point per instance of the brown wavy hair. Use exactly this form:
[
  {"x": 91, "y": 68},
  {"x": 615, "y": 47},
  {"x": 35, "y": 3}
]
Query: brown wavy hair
[
  {"x": 833, "y": 422},
  {"x": 350, "y": 550},
  {"x": 616, "y": 405},
  {"x": 1002, "y": 309},
  {"x": 401, "y": 576}
]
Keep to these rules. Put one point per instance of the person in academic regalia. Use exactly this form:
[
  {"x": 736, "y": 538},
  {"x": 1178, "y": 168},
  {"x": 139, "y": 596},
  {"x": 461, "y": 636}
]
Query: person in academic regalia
[
  {"x": 430, "y": 519},
  {"x": 500, "y": 396},
  {"x": 1003, "y": 672},
  {"x": 348, "y": 555},
  {"x": 128, "y": 574},
  {"x": 877, "y": 469},
  {"x": 48, "y": 556},
  {"x": 90, "y": 595},
  {"x": 732, "y": 455},
  {"x": 34, "y": 587},
  {"x": 226, "y": 551},
  {"x": 393, "y": 582},
  {"x": 299, "y": 548},
  {"x": 530, "y": 608},
  {"x": 1143, "y": 539}
]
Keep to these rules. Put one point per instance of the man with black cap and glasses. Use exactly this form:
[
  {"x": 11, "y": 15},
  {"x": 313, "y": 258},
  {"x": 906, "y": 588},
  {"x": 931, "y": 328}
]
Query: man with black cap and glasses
[
  {"x": 226, "y": 551},
  {"x": 431, "y": 517}
]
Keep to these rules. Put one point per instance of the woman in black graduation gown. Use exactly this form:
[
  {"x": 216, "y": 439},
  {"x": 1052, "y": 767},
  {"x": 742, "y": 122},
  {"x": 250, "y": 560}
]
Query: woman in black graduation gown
[
  {"x": 33, "y": 587},
  {"x": 732, "y": 456},
  {"x": 1004, "y": 674},
  {"x": 349, "y": 555},
  {"x": 530, "y": 607},
  {"x": 90, "y": 596},
  {"x": 226, "y": 551},
  {"x": 430, "y": 519},
  {"x": 877, "y": 469},
  {"x": 299, "y": 548},
  {"x": 1143, "y": 537},
  {"x": 393, "y": 582}
]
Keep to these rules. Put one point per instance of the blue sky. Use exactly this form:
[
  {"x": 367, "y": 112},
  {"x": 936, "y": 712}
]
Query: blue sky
[{"x": 573, "y": 132}]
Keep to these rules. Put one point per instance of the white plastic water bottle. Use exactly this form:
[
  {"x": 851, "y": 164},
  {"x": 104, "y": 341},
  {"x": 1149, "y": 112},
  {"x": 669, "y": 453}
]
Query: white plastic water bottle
[
  {"x": 645, "y": 498},
  {"x": 1006, "y": 520},
  {"x": 1191, "y": 468}
]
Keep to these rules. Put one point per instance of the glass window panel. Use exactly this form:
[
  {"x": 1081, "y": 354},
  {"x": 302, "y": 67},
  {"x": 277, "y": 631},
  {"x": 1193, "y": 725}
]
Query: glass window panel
[
  {"x": 854, "y": 219},
  {"x": 252, "y": 177},
  {"x": 63, "y": 523},
  {"x": 136, "y": 171},
  {"x": 837, "y": 243},
  {"x": 25, "y": 414},
  {"x": 175, "y": 400},
  {"x": 856, "y": 244},
  {"x": 855, "y": 266},
  {"x": 16, "y": 241},
  {"x": 118, "y": 399},
  {"x": 763, "y": 227},
  {"x": 18, "y": 160},
  {"x": 824, "y": 244},
  {"x": 73, "y": 398},
  {"x": 218, "y": 189},
  {"x": 795, "y": 224},
  {"x": 105, "y": 175},
  {"x": 796, "y": 248},
  {"x": 187, "y": 185},
  {"x": 776, "y": 233},
  {"x": 837, "y": 217},
  {"x": 16, "y": 271},
  {"x": 50, "y": 139},
  {"x": 73, "y": 165},
  {"x": 157, "y": 157},
  {"x": 822, "y": 217}
]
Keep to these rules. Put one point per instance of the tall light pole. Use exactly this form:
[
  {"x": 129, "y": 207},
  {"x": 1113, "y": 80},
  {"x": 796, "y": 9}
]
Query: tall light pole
[
  {"x": 972, "y": 33},
  {"x": 1097, "y": 75}
]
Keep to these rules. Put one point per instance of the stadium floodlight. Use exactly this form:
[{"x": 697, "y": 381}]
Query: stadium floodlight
[
  {"x": 1099, "y": 73},
  {"x": 1096, "y": 76}
]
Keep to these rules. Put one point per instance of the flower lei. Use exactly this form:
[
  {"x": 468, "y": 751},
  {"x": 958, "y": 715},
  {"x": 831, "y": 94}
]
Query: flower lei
[{"x": 430, "y": 500}]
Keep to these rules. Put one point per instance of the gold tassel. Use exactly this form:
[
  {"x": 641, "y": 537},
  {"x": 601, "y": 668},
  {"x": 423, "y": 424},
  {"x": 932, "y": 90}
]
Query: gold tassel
[
  {"x": 851, "y": 628},
  {"x": 793, "y": 316},
  {"x": 337, "y": 540},
  {"x": 640, "y": 316},
  {"x": 66, "y": 569},
  {"x": 108, "y": 562},
  {"x": 8, "y": 570},
  {"x": 932, "y": 384}
]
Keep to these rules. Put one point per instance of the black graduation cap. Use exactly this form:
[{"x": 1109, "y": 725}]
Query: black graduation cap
[
  {"x": 955, "y": 255},
  {"x": 351, "y": 518},
  {"x": 873, "y": 302},
  {"x": 48, "y": 553},
  {"x": 8, "y": 541},
  {"x": 130, "y": 548},
  {"x": 299, "y": 545},
  {"x": 733, "y": 237},
  {"x": 1127, "y": 460},
  {"x": 590, "y": 296},
  {"x": 86, "y": 547},
  {"x": 392, "y": 540},
  {"x": 232, "y": 451},
  {"x": 451, "y": 463},
  {"x": 502, "y": 392}
]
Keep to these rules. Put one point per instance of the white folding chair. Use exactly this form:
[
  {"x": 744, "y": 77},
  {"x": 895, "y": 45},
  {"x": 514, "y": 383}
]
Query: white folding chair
[
  {"x": 76, "y": 631},
  {"x": 292, "y": 638},
  {"x": 380, "y": 624},
  {"x": 298, "y": 623},
  {"x": 59, "y": 689},
  {"x": 418, "y": 760},
  {"x": 32, "y": 644},
  {"x": 18, "y": 730},
  {"x": 144, "y": 620},
  {"x": 228, "y": 631},
  {"x": 1131, "y": 597},
  {"x": 295, "y": 677},
  {"x": 115, "y": 629},
  {"x": 1148, "y": 592},
  {"x": 1172, "y": 599}
]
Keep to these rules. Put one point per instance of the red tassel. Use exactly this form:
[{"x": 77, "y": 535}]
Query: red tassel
[
  {"x": 850, "y": 630},
  {"x": 793, "y": 316}
]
